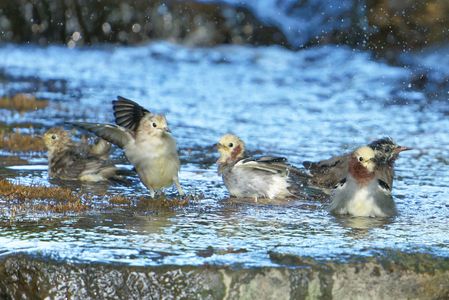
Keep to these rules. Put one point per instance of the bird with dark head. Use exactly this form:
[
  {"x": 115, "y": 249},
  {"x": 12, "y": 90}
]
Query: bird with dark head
[
  {"x": 327, "y": 173},
  {"x": 386, "y": 150}
]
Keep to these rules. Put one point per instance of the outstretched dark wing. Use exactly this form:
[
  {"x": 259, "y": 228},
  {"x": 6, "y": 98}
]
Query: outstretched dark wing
[
  {"x": 128, "y": 113},
  {"x": 112, "y": 133}
]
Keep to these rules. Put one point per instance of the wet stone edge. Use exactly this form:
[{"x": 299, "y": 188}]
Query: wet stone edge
[{"x": 390, "y": 275}]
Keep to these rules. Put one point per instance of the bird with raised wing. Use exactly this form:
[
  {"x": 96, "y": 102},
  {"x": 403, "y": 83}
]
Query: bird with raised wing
[
  {"x": 146, "y": 141},
  {"x": 327, "y": 173},
  {"x": 77, "y": 161},
  {"x": 362, "y": 192},
  {"x": 264, "y": 177}
]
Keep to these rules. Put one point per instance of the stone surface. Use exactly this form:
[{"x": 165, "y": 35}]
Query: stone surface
[{"x": 389, "y": 276}]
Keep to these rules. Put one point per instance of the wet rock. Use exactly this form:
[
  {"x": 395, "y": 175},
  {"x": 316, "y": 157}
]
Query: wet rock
[
  {"x": 391, "y": 275},
  {"x": 385, "y": 26},
  {"x": 404, "y": 25},
  {"x": 429, "y": 74},
  {"x": 79, "y": 22}
]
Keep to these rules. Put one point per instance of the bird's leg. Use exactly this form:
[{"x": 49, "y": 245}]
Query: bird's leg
[{"x": 178, "y": 186}]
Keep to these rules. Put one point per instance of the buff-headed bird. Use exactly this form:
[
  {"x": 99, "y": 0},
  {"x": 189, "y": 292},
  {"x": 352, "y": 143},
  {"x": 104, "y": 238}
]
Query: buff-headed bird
[
  {"x": 147, "y": 142},
  {"x": 265, "y": 177},
  {"x": 77, "y": 161},
  {"x": 327, "y": 173},
  {"x": 363, "y": 192}
]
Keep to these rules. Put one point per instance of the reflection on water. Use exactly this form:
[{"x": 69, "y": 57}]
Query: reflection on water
[
  {"x": 304, "y": 105},
  {"x": 361, "y": 226}
]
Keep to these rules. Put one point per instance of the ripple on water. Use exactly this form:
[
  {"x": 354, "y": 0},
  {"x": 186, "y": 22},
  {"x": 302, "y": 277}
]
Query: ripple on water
[{"x": 305, "y": 105}]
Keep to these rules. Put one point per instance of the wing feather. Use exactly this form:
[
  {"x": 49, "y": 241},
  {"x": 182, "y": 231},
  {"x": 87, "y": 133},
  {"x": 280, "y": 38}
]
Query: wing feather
[
  {"x": 112, "y": 133},
  {"x": 128, "y": 113},
  {"x": 269, "y": 164}
]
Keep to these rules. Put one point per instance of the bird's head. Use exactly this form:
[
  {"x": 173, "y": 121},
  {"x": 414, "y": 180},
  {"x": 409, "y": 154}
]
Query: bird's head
[
  {"x": 386, "y": 150},
  {"x": 365, "y": 157},
  {"x": 231, "y": 148},
  {"x": 56, "y": 138},
  {"x": 156, "y": 125}
]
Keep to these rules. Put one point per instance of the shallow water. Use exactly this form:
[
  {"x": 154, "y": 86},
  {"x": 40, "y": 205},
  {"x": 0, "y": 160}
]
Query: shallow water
[{"x": 304, "y": 105}]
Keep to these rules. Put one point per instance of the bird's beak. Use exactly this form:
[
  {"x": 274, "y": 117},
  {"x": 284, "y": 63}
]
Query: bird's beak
[
  {"x": 166, "y": 129},
  {"x": 219, "y": 146},
  {"x": 399, "y": 149}
]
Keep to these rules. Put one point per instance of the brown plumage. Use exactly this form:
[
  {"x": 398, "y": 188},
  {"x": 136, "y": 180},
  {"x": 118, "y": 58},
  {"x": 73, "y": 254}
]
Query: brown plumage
[
  {"x": 72, "y": 161},
  {"x": 327, "y": 173},
  {"x": 361, "y": 192}
]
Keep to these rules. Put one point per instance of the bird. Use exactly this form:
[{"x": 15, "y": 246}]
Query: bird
[
  {"x": 362, "y": 193},
  {"x": 264, "y": 177},
  {"x": 327, "y": 173},
  {"x": 147, "y": 142},
  {"x": 77, "y": 161}
]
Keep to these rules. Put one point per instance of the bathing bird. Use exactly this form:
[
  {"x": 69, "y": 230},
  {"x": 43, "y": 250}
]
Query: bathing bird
[
  {"x": 327, "y": 173},
  {"x": 264, "y": 177},
  {"x": 77, "y": 161},
  {"x": 146, "y": 141},
  {"x": 362, "y": 192}
]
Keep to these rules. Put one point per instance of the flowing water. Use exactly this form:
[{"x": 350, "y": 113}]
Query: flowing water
[{"x": 304, "y": 105}]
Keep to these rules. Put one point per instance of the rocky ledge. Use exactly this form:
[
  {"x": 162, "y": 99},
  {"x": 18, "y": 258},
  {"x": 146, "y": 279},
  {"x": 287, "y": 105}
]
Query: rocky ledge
[{"x": 390, "y": 275}]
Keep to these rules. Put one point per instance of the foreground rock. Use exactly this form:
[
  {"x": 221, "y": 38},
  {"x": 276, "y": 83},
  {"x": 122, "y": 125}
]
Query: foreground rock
[{"x": 390, "y": 276}]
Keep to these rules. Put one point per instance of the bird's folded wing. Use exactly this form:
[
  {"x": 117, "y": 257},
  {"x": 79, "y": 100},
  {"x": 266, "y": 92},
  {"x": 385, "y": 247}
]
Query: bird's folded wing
[
  {"x": 266, "y": 163},
  {"x": 327, "y": 173},
  {"x": 71, "y": 163},
  {"x": 384, "y": 186},
  {"x": 112, "y": 133},
  {"x": 385, "y": 174},
  {"x": 324, "y": 165},
  {"x": 128, "y": 113}
]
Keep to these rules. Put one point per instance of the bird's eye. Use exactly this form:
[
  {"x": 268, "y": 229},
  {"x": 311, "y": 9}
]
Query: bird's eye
[
  {"x": 154, "y": 125},
  {"x": 231, "y": 145},
  {"x": 360, "y": 158},
  {"x": 53, "y": 137}
]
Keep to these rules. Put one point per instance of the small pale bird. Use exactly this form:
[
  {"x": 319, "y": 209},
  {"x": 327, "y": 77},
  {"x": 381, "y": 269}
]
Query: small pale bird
[
  {"x": 362, "y": 192},
  {"x": 264, "y": 177},
  {"x": 77, "y": 161},
  {"x": 327, "y": 173},
  {"x": 146, "y": 141}
]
